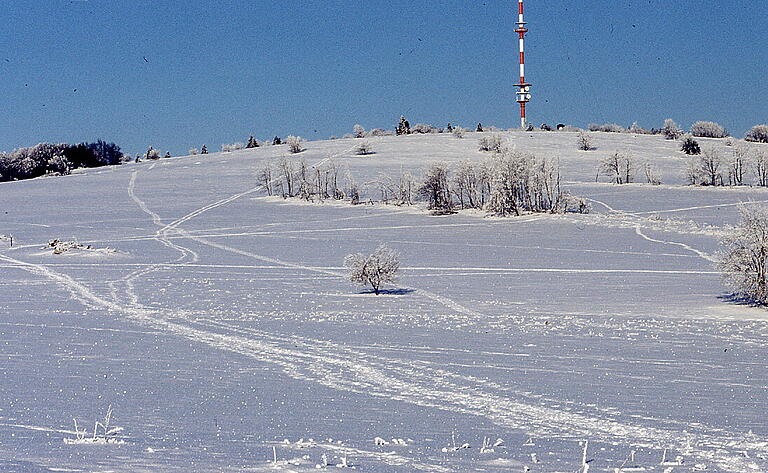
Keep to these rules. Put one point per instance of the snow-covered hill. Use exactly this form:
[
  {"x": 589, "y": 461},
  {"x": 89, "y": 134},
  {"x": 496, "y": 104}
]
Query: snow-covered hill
[{"x": 218, "y": 322}]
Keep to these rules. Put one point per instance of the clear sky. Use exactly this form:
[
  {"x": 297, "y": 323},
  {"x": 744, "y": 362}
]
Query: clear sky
[{"x": 177, "y": 74}]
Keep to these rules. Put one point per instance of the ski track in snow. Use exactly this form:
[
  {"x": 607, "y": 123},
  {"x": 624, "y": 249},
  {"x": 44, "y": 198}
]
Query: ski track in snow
[
  {"x": 682, "y": 245},
  {"x": 344, "y": 369},
  {"x": 418, "y": 383}
]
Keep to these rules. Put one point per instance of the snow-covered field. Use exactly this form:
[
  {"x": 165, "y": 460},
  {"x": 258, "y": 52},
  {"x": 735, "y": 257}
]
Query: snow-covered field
[{"x": 219, "y": 326}]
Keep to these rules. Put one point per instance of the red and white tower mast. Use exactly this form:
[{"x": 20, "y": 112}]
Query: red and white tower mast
[{"x": 523, "y": 88}]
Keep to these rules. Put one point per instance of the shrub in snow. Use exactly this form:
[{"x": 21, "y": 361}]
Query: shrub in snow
[
  {"x": 435, "y": 188},
  {"x": 103, "y": 433},
  {"x": 637, "y": 129},
  {"x": 458, "y": 131},
  {"x": 758, "y": 133},
  {"x": 584, "y": 141},
  {"x": 152, "y": 153},
  {"x": 491, "y": 142},
  {"x": 232, "y": 147},
  {"x": 690, "y": 146},
  {"x": 620, "y": 167},
  {"x": 744, "y": 258},
  {"x": 363, "y": 148},
  {"x": 294, "y": 144},
  {"x": 379, "y": 132},
  {"x": 670, "y": 130},
  {"x": 708, "y": 130},
  {"x": 358, "y": 131},
  {"x": 193, "y": 151},
  {"x": 423, "y": 128},
  {"x": 607, "y": 128},
  {"x": 379, "y": 268}
]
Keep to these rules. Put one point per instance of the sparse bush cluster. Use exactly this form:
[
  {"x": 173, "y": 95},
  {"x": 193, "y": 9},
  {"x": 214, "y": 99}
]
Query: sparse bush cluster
[
  {"x": 708, "y": 130},
  {"x": 509, "y": 183},
  {"x": 294, "y": 144},
  {"x": 492, "y": 142},
  {"x": 714, "y": 168},
  {"x": 232, "y": 147},
  {"x": 49, "y": 158},
  {"x": 606, "y": 128}
]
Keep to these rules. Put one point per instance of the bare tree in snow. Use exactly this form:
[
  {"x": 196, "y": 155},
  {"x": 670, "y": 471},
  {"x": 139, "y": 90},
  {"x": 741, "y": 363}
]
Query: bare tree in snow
[
  {"x": 620, "y": 167},
  {"x": 760, "y": 168},
  {"x": 379, "y": 268},
  {"x": 436, "y": 188}
]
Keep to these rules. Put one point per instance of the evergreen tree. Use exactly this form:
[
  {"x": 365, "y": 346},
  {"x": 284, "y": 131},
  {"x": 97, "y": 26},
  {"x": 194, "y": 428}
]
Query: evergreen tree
[
  {"x": 277, "y": 141},
  {"x": 252, "y": 143},
  {"x": 204, "y": 150},
  {"x": 479, "y": 128}
]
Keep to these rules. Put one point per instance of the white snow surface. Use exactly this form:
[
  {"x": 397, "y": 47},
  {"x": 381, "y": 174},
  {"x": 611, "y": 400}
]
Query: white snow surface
[{"x": 220, "y": 322}]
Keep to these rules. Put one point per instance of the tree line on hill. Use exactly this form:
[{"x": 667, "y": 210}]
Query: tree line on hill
[{"x": 57, "y": 159}]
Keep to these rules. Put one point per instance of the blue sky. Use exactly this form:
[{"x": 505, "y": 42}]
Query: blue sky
[{"x": 177, "y": 74}]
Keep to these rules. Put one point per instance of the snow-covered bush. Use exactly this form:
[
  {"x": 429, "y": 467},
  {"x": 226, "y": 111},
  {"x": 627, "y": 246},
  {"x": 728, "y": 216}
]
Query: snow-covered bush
[
  {"x": 744, "y": 258},
  {"x": 708, "y": 130},
  {"x": 458, "y": 131},
  {"x": 423, "y": 128},
  {"x": 364, "y": 148},
  {"x": 152, "y": 153},
  {"x": 492, "y": 142},
  {"x": 671, "y": 130},
  {"x": 758, "y": 133},
  {"x": 606, "y": 127},
  {"x": 620, "y": 167},
  {"x": 294, "y": 144},
  {"x": 435, "y": 188},
  {"x": 358, "y": 131},
  {"x": 379, "y": 268},
  {"x": 379, "y": 132},
  {"x": 690, "y": 146},
  {"x": 584, "y": 141},
  {"x": 637, "y": 129},
  {"x": 232, "y": 147},
  {"x": 193, "y": 151}
]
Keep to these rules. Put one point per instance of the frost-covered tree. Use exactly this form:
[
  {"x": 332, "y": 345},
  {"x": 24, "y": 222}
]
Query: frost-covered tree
[
  {"x": 379, "y": 268},
  {"x": 738, "y": 165},
  {"x": 363, "y": 148},
  {"x": 584, "y": 141},
  {"x": 620, "y": 167},
  {"x": 744, "y": 259},
  {"x": 708, "y": 130},
  {"x": 760, "y": 168},
  {"x": 758, "y": 133},
  {"x": 152, "y": 153},
  {"x": 458, "y": 131},
  {"x": 294, "y": 144},
  {"x": 193, "y": 151},
  {"x": 358, "y": 131},
  {"x": 671, "y": 130},
  {"x": 435, "y": 188},
  {"x": 706, "y": 169}
]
